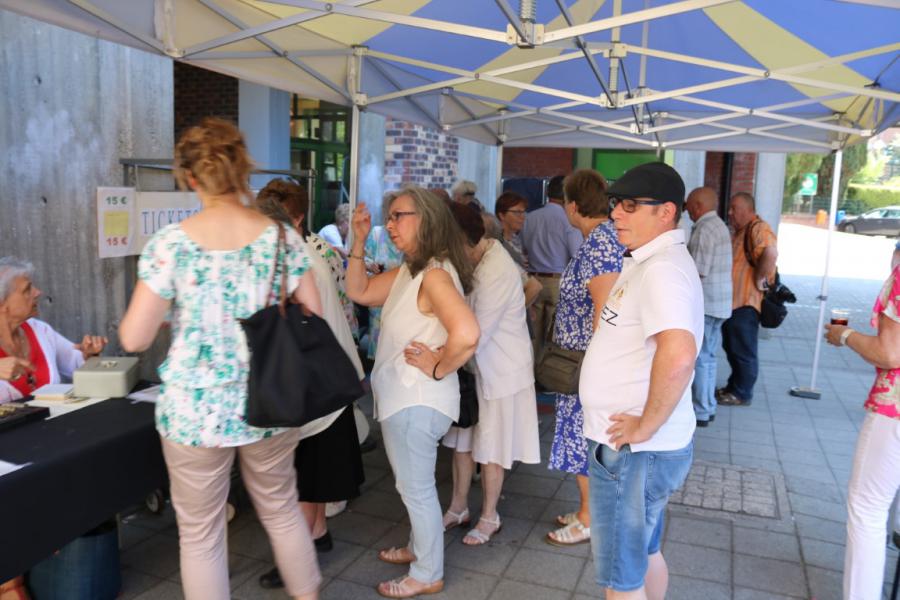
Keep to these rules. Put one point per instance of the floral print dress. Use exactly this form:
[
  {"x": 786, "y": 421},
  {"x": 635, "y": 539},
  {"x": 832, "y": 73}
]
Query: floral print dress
[
  {"x": 600, "y": 253},
  {"x": 204, "y": 394},
  {"x": 884, "y": 397},
  {"x": 339, "y": 274}
]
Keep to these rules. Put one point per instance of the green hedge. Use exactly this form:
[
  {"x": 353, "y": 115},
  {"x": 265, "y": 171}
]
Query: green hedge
[{"x": 866, "y": 197}]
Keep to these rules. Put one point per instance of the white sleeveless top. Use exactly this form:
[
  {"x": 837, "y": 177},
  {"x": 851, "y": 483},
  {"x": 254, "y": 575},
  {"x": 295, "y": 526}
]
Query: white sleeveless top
[{"x": 395, "y": 384}]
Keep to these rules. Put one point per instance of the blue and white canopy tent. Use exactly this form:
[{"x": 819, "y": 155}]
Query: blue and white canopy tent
[{"x": 724, "y": 75}]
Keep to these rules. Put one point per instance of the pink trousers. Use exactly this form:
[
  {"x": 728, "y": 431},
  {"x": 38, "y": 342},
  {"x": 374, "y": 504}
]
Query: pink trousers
[{"x": 199, "y": 481}]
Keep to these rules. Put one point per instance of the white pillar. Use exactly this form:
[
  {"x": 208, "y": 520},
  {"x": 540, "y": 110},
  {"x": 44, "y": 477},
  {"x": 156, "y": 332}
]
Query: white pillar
[
  {"x": 691, "y": 165},
  {"x": 264, "y": 116},
  {"x": 769, "y": 186}
]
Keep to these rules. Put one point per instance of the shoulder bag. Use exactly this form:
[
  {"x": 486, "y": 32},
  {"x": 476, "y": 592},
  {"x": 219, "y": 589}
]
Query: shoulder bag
[
  {"x": 558, "y": 370},
  {"x": 468, "y": 399},
  {"x": 298, "y": 370}
]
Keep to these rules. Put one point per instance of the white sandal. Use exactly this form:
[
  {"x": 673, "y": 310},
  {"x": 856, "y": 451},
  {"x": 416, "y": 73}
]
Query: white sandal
[
  {"x": 567, "y": 519},
  {"x": 482, "y": 537},
  {"x": 570, "y": 535},
  {"x": 458, "y": 519}
]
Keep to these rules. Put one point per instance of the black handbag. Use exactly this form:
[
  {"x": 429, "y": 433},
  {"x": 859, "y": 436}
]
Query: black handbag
[
  {"x": 298, "y": 370},
  {"x": 468, "y": 400}
]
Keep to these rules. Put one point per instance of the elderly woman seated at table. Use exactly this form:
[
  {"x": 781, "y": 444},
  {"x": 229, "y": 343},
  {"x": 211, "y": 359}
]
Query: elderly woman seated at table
[{"x": 32, "y": 353}]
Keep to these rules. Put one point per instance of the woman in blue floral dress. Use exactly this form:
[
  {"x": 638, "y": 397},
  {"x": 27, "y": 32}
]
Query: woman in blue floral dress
[
  {"x": 212, "y": 270},
  {"x": 583, "y": 289}
]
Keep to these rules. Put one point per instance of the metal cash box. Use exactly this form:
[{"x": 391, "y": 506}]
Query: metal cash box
[{"x": 106, "y": 377}]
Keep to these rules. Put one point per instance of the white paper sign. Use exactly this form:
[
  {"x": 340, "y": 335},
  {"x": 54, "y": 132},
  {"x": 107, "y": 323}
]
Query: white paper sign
[
  {"x": 115, "y": 221},
  {"x": 156, "y": 210}
]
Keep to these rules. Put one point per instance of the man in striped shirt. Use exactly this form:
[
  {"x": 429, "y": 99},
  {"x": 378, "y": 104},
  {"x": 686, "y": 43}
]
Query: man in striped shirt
[
  {"x": 754, "y": 252},
  {"x": 710, "y": 247}
]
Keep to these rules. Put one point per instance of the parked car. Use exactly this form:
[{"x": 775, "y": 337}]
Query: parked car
[{"x": 878, "y": 221}]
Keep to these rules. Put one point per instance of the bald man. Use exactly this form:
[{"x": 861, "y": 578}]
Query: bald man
[
  {"x": 710, "y": 247},
  {"x": 754, "y": 250}
]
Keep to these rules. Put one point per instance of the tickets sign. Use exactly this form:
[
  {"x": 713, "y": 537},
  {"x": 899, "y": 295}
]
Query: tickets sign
[{"x": 127, "y": 219}]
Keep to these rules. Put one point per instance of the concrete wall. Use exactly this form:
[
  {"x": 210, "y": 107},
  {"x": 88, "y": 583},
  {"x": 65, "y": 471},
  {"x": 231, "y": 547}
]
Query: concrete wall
[
  {"x": 478, "y": 163},
  {"x": 71, "y": 106},
  {"x": 264, "y": 115}
]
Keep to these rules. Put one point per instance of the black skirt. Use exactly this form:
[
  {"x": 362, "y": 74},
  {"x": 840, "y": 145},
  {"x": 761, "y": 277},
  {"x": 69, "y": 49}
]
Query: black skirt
[{"x": 329, "y": 464}]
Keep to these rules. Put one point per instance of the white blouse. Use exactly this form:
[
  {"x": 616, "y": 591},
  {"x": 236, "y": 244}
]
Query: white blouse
[
  {"x": 395, "y": 384},
  {"x": 61, "y": 354},
  {"x": 503, "y": 360}
]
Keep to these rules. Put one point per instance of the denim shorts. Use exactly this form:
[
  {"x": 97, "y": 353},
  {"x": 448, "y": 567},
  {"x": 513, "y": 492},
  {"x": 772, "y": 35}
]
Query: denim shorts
[{"x": 628, "y": 495}]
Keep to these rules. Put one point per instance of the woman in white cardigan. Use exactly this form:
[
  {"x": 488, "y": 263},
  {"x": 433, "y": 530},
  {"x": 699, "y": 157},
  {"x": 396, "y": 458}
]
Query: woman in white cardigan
[
  {"x": 327, "y": 459},
  {"x": 427, "y": 333},
  {"x": 32, "y": 353},
  {"x": 507, "y": 428}
]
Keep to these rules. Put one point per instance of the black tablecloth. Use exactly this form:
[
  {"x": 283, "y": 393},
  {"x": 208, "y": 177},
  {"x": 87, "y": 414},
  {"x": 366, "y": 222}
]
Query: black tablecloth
[{"x": 87, "y": 465}]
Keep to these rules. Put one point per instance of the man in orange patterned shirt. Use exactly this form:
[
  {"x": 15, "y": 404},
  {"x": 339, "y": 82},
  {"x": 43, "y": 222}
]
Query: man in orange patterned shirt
[{"x": 754, "y": 253}]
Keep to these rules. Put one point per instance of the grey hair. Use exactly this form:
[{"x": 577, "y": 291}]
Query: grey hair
[
  {"x": 342, "y": 213},
  {"x": 463, "y": 187},
  {"x": 11, "y": 268},
  {"x": 386, "y": 200}
]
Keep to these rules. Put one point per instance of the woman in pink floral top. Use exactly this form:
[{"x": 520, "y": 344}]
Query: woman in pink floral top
[{"x": 875, "y": 479}]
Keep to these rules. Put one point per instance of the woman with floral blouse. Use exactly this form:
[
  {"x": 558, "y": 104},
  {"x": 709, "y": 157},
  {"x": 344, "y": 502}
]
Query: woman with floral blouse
[
  {"x": 212, "y": 270},
  {"x": 875, "y": 478}
]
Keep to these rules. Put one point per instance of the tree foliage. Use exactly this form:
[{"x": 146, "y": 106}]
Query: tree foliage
[
  {"x": 796, "y": 166},
  {"x": 854, "y": 160}
]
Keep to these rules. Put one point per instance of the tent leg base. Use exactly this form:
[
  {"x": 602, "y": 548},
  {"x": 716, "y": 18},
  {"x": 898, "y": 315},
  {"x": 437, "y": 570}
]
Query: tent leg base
[{"x": 805, "y": 392}]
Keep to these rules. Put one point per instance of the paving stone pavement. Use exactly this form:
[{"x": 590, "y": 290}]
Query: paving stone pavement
[{"x": 761, "y": 517}]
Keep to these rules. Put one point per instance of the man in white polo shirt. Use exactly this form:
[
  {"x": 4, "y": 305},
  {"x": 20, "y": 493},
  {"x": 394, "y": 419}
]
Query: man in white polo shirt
[{"x": 635, "y": 384}]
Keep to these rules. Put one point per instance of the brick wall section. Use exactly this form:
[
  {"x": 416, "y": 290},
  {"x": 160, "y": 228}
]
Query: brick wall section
[
  {"x": 201, "y": 93},
  {"x": 416, "y": 154},
  {"x": 743, "y": 172},
  {"x": 537, "y": 162}
]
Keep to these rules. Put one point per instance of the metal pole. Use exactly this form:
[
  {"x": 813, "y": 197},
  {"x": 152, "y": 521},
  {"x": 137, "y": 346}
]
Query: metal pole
[
  {"x": 811, "y": 391},
  {"x": 499, "y": 188}
]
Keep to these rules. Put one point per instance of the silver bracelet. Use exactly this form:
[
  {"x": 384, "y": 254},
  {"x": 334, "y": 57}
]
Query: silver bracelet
[{"x": 845, "y": 334}]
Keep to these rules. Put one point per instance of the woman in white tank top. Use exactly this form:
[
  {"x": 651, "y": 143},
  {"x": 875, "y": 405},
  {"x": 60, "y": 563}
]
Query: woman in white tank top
[{"x": 427, "y": 333}]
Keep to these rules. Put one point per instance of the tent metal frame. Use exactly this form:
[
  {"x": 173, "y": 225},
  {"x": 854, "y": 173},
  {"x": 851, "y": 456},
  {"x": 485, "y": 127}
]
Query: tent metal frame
[{"x": 522, "y": 31}]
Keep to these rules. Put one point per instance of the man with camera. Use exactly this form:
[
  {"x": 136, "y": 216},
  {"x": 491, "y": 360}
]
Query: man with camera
[{"x": 754, "y": 252}]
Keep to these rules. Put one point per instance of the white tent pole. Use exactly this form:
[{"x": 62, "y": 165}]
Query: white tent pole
[
  {"x": 811, "y": 391},
  {"x": 354, "y": 77}
]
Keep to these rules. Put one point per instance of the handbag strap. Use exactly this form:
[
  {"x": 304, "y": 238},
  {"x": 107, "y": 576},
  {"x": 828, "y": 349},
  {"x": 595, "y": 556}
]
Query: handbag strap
[{"x": 279, "y": 252}]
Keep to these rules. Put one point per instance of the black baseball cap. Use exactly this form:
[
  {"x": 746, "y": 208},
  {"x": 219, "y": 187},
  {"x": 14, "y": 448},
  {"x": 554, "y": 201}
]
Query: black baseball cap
[{"x": 655, "y": 180}]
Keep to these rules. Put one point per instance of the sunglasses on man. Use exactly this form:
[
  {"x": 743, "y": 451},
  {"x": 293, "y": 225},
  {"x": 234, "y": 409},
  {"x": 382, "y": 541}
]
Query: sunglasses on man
[{"x": 630, "y": 205}]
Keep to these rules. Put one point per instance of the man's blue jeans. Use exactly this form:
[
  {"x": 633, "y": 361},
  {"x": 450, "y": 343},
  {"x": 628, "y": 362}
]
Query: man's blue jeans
[
  {"x": 411, "y": 439},
  {"x": 740, "y": 338},
  {"x": 704, "y": 386}
]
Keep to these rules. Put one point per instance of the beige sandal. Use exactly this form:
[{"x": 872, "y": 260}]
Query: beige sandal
[
  {"x": 396, "y": 588},
  {"x": 567, "y": 519},
  {"x": 570, "y": 535},
  {"x": 460, "y": 519},
  {"x": 397, "y": 556},
  {"x": 480, "y": 536}
]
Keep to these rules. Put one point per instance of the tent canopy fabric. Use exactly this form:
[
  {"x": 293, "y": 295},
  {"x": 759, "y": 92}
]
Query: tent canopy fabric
[{"x": 729, "y": 75}]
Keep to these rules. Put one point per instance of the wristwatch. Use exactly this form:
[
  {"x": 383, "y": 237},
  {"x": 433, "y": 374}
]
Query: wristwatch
[{"x": 845, "y": 334}]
